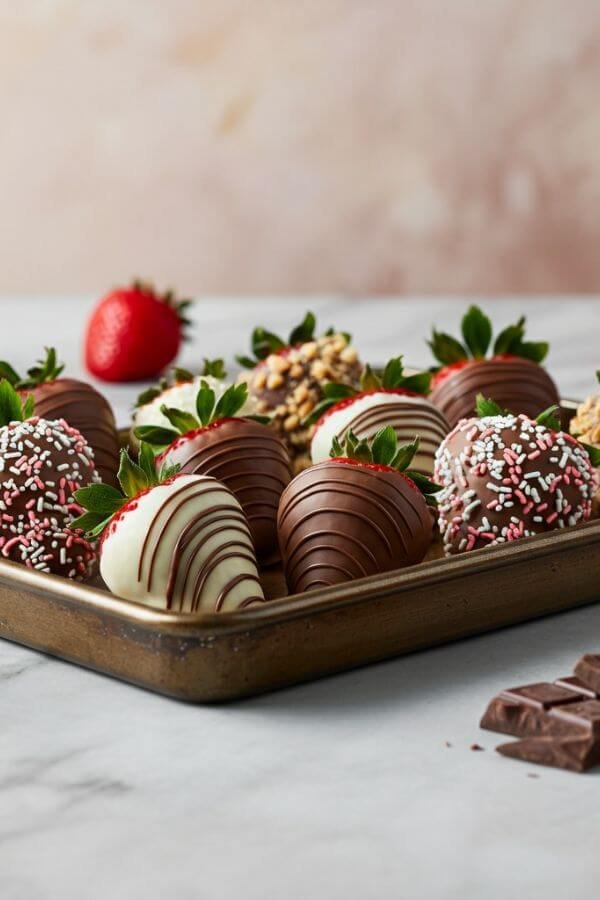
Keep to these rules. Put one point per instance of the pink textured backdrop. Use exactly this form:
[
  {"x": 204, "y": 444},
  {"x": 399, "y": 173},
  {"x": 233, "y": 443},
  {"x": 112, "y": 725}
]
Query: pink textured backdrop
[{"x": 284, "y": 146}]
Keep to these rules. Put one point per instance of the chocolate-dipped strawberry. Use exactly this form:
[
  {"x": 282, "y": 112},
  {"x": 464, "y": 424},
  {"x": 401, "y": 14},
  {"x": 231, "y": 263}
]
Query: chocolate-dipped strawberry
[
  {"x": 393, "y": 399},
  {"x": 512, "y": 376},
  {"x": 241, "y": 452},
  {"x": 178, "y": 390},
  {"x": 286, "y": 378},
  {"x": 42, "y": 464},
  {"x": 81, "y": 405},
  {"x": 171, "y": 541},
  {"x": 506, "y": 477},
  {"x": 361, "y": 512}
]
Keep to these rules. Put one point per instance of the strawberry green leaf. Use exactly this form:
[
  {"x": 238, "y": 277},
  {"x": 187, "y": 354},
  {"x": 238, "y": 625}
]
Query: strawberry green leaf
[
  {"x": 230, "y": 403},
  {"x": 180, "y": 420},
  {"x": 336, "y": 449},
  {"x": 535, "y": 351},
  {"x": 446, "y": 349},
  {"x": 7, "y": 372},
  {"x": 476, "y": 331},
  {"x": 425, "y": 485},
  {"x": 131, "y": 477},
  {"x": 158, "y": 437},
  {"x": 147, "y": 396},
  {"x": 384, "y": 446},
  {"x": 487, "y": 407},
  {"x": 362, "y": 452},
  {"x": 182, "y": 376},
  {"x": 28, "y": 407},
  {"x": 337, "y": 392},
  {"x": 508, "y": 339},
  {"x": 91, "y": 523},
  {"x": 593, "y": 453},
  {"x": 419, "y": 383},
  {"x": 265, "y": 342},
  {"x": 245, "y": 361},
  {"x": 549, "y": 418},
  {"x": 262, "y": 420},
  {"x": 369, "y": 381},
  {"x": 11, "y": 405},
  {"x": 146, "y": 460},
  {"x": 215, "y": 368},
  {"x": 405, "y": 455},
  {"x": 205, "y": 403},
  {"x": 303, "y": 332},
  {"x": 100, "y": 499},
  {"x": 392, "y": 374}
]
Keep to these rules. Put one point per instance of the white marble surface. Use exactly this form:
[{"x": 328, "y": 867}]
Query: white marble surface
[{"x": 344, "y": 788}]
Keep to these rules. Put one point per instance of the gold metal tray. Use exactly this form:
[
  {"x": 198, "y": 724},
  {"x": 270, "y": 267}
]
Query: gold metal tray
[{"x": 202, "y": 658}]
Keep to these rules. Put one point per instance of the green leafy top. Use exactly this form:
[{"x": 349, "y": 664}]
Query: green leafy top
[
  {"x": 102, "y": 501},
  {"x": 264, "y": 342},
  {"x": 208, "y": 410},
  {"x": 12, "y": 406},
  {"x": 45, "y": 370},
  {"x": 486, "y": 407},
  {"x": 477, "y": 336},
  {"x": 383, "y": 450},
  {"x": 212, "y": 367},
  {"x": 393, "y": 378}
]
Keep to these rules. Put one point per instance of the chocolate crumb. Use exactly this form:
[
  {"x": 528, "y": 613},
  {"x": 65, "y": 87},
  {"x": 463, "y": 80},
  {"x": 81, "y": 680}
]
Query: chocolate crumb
[
  {"x": 532, "y": 775},
  {"x": 476, "y": 747},
  {"x": 447, "y": 744}
]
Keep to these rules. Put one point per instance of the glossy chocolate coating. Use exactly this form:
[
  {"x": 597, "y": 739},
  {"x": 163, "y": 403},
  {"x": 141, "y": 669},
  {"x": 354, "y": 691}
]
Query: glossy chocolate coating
[
  {"x": 516, "y": 384},
  {"x": 251, "y": 461},
  {"x": 338, "y": 522},
  {"x": 83, "y": 407}
]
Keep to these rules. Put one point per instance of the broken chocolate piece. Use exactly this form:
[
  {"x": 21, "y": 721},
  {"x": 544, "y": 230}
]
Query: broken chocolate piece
[
  {"x": 588, "y": 669},
  {"x": 522, "y": 711},
  {"x": 573, "y": 683},
  {"x": 577, "y": 753}
]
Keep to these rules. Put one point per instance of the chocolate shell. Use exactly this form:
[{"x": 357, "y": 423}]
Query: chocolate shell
[
  {"x": 42, "y": 464},
  {"x": 506, "y": 477},
  {"x": 516, "y": 384},
  {"x": 184, "y": 546},
  {"x": 83, "y": 407},
  {"x": 408, "y": 414},
  {"x": 251, "y": 460},
  {"x": 338, "y": 522}
]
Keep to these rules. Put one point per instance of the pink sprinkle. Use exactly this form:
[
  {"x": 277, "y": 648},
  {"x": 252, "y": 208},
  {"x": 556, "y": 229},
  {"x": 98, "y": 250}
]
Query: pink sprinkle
[
  {"x": 534, "y": 455},
  {"x": 550, "y": 519},
  {"x": 521, "y": 497}
]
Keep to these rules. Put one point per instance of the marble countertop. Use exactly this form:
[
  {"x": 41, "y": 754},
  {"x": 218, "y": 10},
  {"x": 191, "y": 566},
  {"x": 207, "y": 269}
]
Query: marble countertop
[{"x": 343, "y": 788}]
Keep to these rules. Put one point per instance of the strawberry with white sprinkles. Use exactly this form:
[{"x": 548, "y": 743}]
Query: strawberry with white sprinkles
[
  {"x": 42, "y": 464},
  {"x": 506, "y": 477}
]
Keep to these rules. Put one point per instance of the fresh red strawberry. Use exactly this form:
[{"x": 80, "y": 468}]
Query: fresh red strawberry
[
  {"x": 134, "y": 333},
  {"x": 393, "y": 399},
  {"x": 244, "y": 455},
  {"x": 512, "y": 375},
  {"x": 359, "y": 513}
]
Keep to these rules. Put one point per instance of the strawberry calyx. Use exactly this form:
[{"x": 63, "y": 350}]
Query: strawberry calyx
[
  {"x": 209, "y": 411},
  {"x": 169, "y": 298},
  {"x": 45, "y": 370},
  {"x": 13, "y": 407},
  {"x": 102, "y": 502},
  {"x": 391, "y": 380},
  {"x": 264, "y": 343},
  {"x": 476, "y": 329},
  {"x": 381, "y": 454}
]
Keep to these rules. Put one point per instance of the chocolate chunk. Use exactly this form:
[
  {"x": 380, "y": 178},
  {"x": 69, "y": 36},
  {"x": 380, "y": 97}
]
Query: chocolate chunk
[
  {"x": 522, "y": 711},
  {"x": 577, "y": 753},
  {"x": 584, "y": 717},
  {"x": 588, "y": 669},
  {"x": 573, "y": 683}
]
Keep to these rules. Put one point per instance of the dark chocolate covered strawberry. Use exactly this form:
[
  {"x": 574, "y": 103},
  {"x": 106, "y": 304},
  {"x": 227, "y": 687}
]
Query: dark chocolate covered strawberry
[
  {"x": 171, "y": 541},
  {"x": 393, "y": 399},
  {"x": 361, "y": 512},
  {"x": 241, "y": 452},
  {"x": 512, "y": 376},
  {"x": 77, "y": 402},
  {"x": 286, "y": 377}
]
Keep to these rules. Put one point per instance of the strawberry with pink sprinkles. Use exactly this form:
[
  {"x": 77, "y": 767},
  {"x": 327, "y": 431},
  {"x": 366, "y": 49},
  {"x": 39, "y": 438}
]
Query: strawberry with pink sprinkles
[
  {"x": 505, "y": 477},
  {"x": 42, "y": 464}
]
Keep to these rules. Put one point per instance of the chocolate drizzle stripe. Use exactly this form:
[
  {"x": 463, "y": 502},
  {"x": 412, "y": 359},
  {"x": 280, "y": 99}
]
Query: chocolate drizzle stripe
[
  {"x": 334, "y": 548},
  {"x": 323, "y": 533},
  {"x": 233, "y": 583},
  {"x": 194, "y": 491},
  {"x": 196, "y": 529},
  {"x": 397, "y": 415},
  {"x": 211, "y": 563}
]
